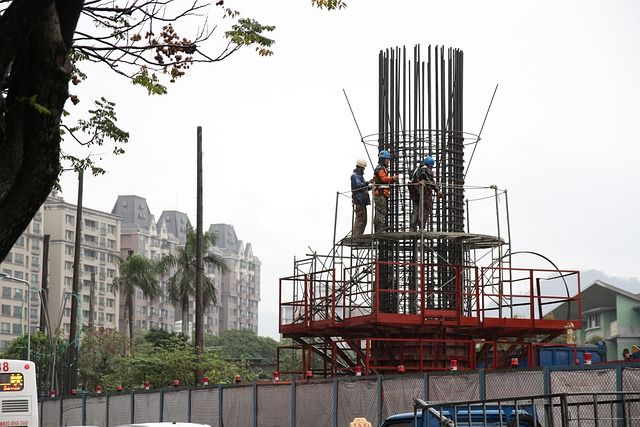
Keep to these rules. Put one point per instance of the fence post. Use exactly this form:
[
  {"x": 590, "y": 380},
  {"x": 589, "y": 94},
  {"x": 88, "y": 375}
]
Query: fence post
[
  {"x": 379, "y": 384},
  {"x": 482, "y": 391},
  {"x": 84, "y": 410},
  {"x": 161, "y": 404},
  {"x": 220, "y": 403},
  {"x": 133, "y": 408},
  {"x": 255, "y": 404},
  {"x": 546, "y": 380},
  {"x": 335, "y": 402},
  {"x": 107, "y": 423},
  {"x": 426, "y": 386},
  {"x": 293, "y": 402},
  {"x": 620, "y": 405}
]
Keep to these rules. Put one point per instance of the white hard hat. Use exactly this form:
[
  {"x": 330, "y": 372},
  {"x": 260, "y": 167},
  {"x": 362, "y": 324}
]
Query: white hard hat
[{"x": 362, "y": 163}]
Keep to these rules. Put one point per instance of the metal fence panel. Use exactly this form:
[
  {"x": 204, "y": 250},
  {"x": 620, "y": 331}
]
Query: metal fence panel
[
  {"x": 96, "y": 411},
  {"x": 175, "y": 406},
  {"x": 50, "y": 413},
  {"x": 314, "y": 405},
  {"x": 237, "y": 406},
  {"x": 631, "y": 382},
  {"x": 274, "y": 405},
  {"x": 357, "y": 399},
  {"x": 398, "y": 394},
  {"x": 119, "y": 410},
  {"x": 146, "y": 407},
  {"x": 514, "y": 383},
  {"x": 583, "y": 381},
  {"x": 72, "y": 411},
  {"x": 453, "y": 387},
  {"x": 204, "y": 406}
]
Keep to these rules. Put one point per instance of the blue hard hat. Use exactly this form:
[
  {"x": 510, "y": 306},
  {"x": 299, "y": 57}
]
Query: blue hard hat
[
  {"x": 429, "y": 161},
  {"x": 384, "y": 154}
]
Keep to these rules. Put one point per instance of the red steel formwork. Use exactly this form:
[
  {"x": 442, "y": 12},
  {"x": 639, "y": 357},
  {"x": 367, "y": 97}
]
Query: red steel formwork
[{"x": 348, "y": 325}]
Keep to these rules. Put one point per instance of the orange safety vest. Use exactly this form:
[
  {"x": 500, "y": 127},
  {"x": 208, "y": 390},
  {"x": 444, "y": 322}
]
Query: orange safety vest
[{"x": 381, "y": 179}]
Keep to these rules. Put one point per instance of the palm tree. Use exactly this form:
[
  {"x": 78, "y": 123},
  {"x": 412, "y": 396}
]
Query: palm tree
[
  {"x": 181, "y": 284},
  {"x": 136, "y": 272}
]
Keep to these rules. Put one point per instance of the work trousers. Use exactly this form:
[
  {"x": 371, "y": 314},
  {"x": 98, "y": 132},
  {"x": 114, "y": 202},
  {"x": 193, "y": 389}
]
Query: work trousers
[
  {"x": 420, "y": 215},
  {"x": 380, "y": 217},
  {"x": 359, "y": 220}
]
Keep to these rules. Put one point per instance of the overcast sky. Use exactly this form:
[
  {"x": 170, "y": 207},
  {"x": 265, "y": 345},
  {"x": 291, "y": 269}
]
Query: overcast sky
[{"x": 279, "y": 140}]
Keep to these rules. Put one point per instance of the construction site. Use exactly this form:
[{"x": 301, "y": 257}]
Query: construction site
[
  {"x": 415, "y": 300},
  {"x": 404, "y": 318}
]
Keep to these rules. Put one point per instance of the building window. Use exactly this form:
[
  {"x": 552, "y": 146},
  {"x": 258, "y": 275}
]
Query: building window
[
  {"x": 35, "y": 261},
  {"x": 90, "y": 223},
  {"x": 36, "y": 228},
  {"x": 68, "y": 235},
  {"x": 69, "y": 219},
  {"x": 34, "y": 313},
  {"x": 5, "y": 328},
  {"x": 20, "y": 242},
  {"x": 18, "y": 274},
  {"x": 17, "y": 329},
  {"x": 35, "y": 245},
  {"x": 68, "y": 265},
  {"x": 6, "y": 310},
  {"x": 6, "y": 292},
  {"x": 17, "y": 293},
  {"x": 111, "y": 229},
  {"x": 90, "y": 239},
  {"x": 111, "y": 244},
  {"x": 593, "y": 321},
  {"x": 17, "y": 311},
  {"x": 18, "y": 259}
]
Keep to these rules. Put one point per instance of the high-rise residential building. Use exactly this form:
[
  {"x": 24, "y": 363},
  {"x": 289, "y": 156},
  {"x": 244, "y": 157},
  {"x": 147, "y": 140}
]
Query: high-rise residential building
[
  {"x": 240, "y": 284},
  {"x": 142, "y": 234},
  {"x": 100, "y": 248},
  {"x": 24, "y": 264}
]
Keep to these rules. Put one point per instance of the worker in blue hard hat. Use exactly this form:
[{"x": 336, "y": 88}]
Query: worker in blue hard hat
[
  {"x": 382, "y": 190},
  {"x": 360, "y": 198},
  {"x": 421, "y": 188}
]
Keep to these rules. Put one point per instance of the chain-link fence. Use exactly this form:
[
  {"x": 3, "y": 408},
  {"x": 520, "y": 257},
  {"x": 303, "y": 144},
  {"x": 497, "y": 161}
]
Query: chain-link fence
[{"x": 336, "y": 402}]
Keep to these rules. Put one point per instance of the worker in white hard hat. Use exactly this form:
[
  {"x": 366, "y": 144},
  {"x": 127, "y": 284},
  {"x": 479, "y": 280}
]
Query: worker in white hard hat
[{"x": 360, "y": 197}]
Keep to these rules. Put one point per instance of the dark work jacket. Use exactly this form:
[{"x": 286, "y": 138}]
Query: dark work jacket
[{"x": 359, "y": 188}]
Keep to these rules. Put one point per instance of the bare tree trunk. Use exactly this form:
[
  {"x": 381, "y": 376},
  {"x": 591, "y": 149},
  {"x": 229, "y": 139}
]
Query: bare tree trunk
[
  {"x": 130, "y": 299},
  {"x": 185, "y": 315}
]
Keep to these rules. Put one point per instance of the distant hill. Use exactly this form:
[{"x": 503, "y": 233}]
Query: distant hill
[{"x": 630, "y": 284}]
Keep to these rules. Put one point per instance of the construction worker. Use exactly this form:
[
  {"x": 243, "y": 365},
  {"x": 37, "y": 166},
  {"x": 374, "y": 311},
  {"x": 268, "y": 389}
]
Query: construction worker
[
  {"x": 423, "y": 184},
  {"x": 382, "y": 190},
  {"x": 360, "y": 197}
]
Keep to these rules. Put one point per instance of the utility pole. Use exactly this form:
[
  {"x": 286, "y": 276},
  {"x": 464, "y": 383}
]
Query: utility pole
[
  {"x": 44, "y": 296},
  {"x": 199, "y": 255},
  {"x": 92, "y": 297},
  {"x": 72, "y": 354}
]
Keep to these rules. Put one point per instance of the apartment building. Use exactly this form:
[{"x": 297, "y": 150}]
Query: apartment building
[
  {"x": 240, "y": 285},
  {"x": 24, "y": 264},
  {"x": 100, "y": 246},
  {"x": 142, "y": 234}
]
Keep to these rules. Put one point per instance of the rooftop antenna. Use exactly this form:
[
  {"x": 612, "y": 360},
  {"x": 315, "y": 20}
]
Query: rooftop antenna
[{"x": 358, "y": 127}]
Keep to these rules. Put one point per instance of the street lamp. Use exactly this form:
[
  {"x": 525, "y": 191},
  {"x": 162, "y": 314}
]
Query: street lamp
[{"x": 15, "y": 279}]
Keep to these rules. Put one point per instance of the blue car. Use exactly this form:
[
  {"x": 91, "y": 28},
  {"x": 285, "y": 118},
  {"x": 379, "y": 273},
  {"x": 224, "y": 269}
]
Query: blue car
[{"x": 466, "y": 416}]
